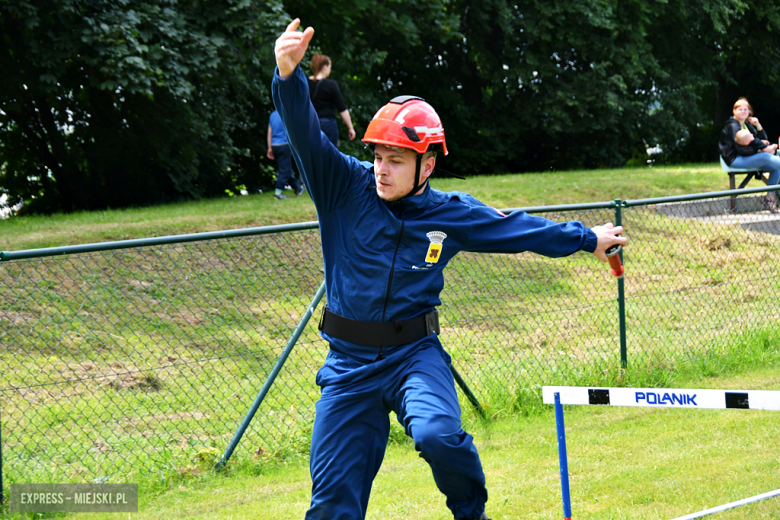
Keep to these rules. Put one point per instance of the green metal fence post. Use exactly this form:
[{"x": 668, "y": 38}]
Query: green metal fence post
[
  {"x": 621, "y": 293},
  {"x": 466, "y": 390},
  {"x": 271, "y": 377}
]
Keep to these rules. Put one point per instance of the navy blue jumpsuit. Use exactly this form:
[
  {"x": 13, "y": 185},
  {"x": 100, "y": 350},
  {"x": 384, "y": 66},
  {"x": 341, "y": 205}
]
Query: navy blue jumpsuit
[{"x": 384, "y": 262}]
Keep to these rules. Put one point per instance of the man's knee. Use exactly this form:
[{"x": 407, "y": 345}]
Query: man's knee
[{"x": 438, "y": 436}]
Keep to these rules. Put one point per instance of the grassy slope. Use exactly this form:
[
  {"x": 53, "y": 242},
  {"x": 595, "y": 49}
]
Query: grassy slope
[{"x": 501, "y": 191}]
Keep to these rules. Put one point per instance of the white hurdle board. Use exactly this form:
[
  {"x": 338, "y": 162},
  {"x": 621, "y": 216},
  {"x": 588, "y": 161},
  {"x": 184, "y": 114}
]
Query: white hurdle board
[{"x": 664, "y": 397}]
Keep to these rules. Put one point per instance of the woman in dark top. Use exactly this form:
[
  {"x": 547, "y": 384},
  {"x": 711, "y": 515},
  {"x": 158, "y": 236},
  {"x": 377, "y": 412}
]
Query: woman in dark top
[
  {"x": 758, "y": 155},
  {"x": 327, "y": 100}
]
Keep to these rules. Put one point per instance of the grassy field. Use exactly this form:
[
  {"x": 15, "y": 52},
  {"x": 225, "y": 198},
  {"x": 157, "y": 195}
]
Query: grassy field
[
  {"x": 170, "y": 312},
  {"x": 501, "y": 191},
  {"x": 637, "y": 464}
]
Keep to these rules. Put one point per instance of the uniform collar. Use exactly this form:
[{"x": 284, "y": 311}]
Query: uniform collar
[{"x": 411, "y": 205}]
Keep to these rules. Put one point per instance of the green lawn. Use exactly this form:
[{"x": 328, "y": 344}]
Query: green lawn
[{"x": 625, "y": 463}]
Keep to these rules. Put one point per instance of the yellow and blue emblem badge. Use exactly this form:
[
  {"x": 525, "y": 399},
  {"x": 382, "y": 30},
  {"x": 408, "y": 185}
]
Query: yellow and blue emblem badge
[{"x": 434, "y": 250}]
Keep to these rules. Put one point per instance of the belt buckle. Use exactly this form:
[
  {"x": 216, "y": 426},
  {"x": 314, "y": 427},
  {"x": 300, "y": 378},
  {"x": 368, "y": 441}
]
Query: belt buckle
[
  {"x": 321, "y": 324},
  {"x": 432, "y": 322}
]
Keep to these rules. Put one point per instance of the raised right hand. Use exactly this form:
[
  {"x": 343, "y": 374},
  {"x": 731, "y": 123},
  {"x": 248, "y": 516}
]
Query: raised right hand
[{"x": 290, "y": 48}]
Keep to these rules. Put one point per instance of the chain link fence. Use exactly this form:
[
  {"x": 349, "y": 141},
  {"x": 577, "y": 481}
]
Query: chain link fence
[{"x": 134, "y": 358}]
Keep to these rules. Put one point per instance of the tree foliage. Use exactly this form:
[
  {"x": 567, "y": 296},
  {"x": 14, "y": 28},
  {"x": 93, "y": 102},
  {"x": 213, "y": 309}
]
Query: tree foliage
[
  {"x": 540, "y": 85},
  {"x": 115, "y": 103},
  {"x": 121, "y": 103}
]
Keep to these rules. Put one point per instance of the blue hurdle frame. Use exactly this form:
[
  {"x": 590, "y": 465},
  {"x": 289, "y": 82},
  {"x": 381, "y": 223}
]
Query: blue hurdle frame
[{"x": 564, "y": 463}]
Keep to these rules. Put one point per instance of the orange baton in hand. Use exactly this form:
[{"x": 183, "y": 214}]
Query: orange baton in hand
[{"x": 614, "y": 260}]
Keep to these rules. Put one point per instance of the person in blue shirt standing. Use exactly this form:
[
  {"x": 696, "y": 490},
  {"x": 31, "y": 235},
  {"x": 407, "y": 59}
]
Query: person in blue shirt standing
[
  {"x": 279, "y": 149},
  {"x": 386, "y": 238}
]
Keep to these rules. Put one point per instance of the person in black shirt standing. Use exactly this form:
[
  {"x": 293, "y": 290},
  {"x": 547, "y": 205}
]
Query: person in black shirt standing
[{"x": 327, "y": 100}]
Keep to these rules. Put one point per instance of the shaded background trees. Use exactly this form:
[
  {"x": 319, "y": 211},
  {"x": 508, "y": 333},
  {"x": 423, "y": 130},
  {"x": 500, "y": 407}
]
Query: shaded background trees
[{"x": 110, "y": 104}]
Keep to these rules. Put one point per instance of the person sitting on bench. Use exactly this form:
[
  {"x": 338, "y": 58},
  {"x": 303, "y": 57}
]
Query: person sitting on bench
[{"x": 757, "y": 155}]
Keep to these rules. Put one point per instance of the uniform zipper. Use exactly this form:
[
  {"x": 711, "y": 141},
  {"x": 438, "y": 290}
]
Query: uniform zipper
[{"x": 390, "y": 280}]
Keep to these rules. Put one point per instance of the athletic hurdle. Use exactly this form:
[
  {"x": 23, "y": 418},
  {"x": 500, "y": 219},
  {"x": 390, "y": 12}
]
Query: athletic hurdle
[{"x": 659, "y": 398}]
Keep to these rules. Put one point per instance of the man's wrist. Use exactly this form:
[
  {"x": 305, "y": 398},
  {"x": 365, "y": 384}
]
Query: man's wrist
[
  {"x": 591, "y": 241},
  {"x": 284, "y": 77}
]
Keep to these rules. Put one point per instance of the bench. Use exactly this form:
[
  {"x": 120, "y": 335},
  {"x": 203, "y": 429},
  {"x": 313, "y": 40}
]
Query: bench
[{"x": 747, "y": 172}]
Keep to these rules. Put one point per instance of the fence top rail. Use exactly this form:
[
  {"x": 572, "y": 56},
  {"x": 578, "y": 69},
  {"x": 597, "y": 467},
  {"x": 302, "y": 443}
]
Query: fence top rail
[
  {"x": 563, "y": 207},
  {"x": 234, "y": 233},
  {"x": 154, "y": 241},
  {"x": 699, "y": 196}
]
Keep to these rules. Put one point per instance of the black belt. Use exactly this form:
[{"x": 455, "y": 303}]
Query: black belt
[{"x": 379, "y": 333}]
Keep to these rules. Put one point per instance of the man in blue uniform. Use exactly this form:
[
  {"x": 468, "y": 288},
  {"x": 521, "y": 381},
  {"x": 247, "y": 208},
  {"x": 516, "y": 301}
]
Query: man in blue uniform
[{"x": 386, "y": 238}]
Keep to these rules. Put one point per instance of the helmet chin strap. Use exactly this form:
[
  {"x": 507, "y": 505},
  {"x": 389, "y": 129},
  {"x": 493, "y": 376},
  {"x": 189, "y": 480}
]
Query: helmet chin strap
[{"x": 417, "y": 171}]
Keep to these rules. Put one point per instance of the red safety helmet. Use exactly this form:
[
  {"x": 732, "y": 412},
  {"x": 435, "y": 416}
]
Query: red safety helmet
[{"x": 407, "y": 122}]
